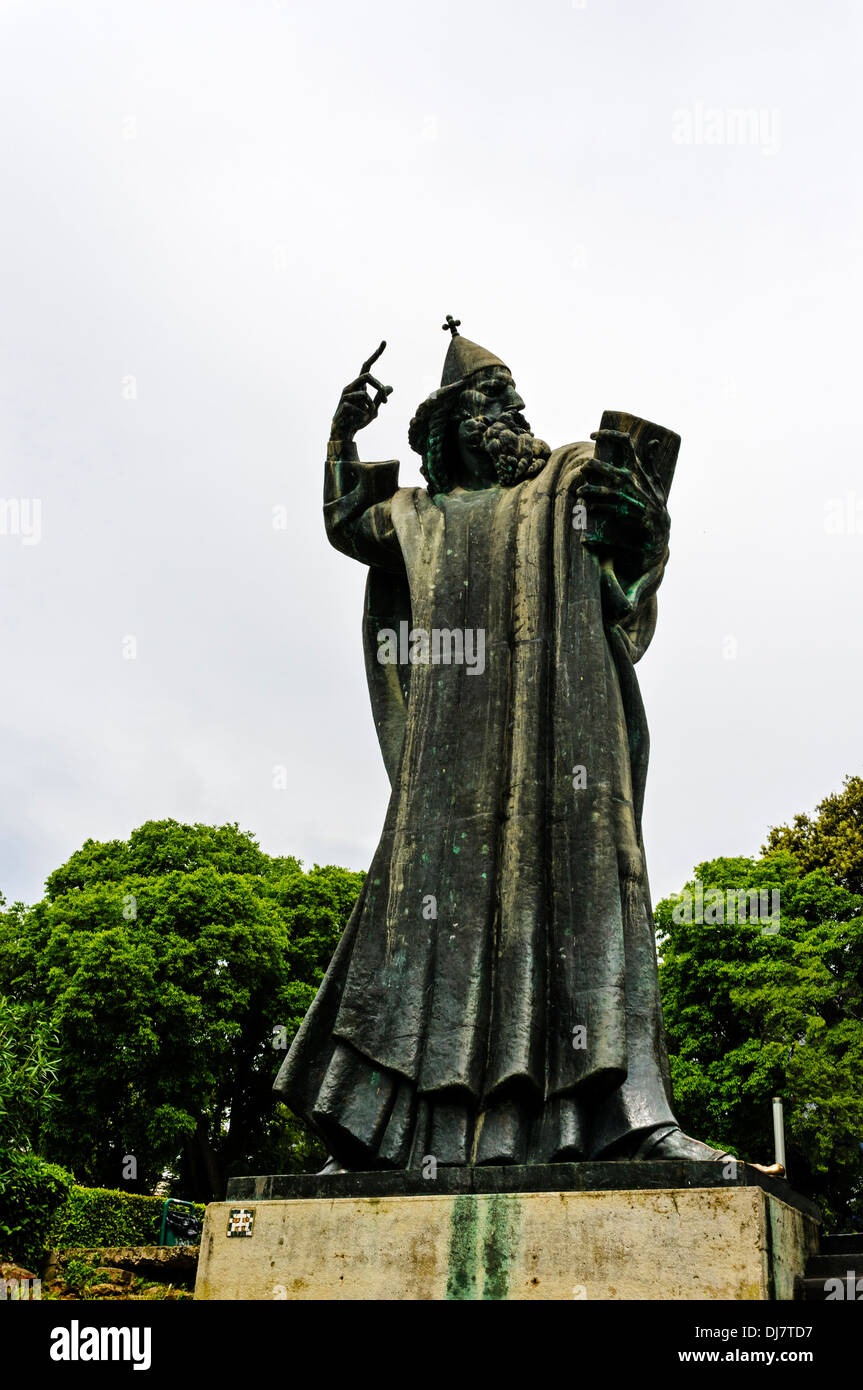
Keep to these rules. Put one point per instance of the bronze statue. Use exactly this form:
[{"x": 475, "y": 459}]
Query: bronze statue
[{"x": 494, "y": 998}]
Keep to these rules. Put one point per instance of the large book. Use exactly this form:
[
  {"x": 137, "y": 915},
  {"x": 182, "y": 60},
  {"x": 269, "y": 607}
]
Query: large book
[{"x": 657, "y": 448}]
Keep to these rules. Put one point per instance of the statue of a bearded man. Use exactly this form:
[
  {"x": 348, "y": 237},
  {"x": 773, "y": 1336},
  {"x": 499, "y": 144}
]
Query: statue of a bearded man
[{"x": 494, "y": 998}]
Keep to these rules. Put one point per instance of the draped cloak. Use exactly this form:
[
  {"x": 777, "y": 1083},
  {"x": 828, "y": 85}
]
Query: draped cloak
[{"x": 494, "y": 997}]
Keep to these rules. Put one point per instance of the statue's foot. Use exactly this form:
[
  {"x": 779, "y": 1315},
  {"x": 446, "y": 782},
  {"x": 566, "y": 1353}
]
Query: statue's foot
[
  {"x": 331, "y": 1166},
  {"x": 673, "y": 1143}
]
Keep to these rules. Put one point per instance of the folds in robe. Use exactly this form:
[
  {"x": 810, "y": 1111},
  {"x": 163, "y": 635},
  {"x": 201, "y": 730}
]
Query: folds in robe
[{"x": 494, "y": 997}]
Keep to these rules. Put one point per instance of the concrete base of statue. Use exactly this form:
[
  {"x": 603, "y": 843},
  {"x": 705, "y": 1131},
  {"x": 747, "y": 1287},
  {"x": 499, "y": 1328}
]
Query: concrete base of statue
[{"x": 663, "y": 1230}]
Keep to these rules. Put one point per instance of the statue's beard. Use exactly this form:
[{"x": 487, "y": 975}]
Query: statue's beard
[{"x": 509, "y": 444}]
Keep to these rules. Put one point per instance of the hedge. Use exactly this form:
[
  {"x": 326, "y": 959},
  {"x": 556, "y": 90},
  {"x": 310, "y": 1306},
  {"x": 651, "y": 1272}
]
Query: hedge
[
  {"x": 32, "y": 1192},
  {"x": 41, "y": 1208},
  {"x": 98, "y": 1216}
]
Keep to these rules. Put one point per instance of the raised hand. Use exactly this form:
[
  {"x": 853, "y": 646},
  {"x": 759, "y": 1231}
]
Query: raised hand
[{"x": 356, "y": 408}]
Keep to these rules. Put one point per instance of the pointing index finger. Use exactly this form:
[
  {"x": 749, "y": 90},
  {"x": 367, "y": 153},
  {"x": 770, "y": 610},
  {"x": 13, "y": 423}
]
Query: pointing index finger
[{"x": 370, "y": 361}]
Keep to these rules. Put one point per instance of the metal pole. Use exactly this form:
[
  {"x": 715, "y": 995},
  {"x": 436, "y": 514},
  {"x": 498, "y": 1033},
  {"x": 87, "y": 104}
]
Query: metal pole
[{"x": 778, "y": 1131}]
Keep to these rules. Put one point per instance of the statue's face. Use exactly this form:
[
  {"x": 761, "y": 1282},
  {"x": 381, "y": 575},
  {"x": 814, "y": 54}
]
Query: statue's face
[
  {"x": 493, "y": 435},
  {"x": 492, "y": 394}
]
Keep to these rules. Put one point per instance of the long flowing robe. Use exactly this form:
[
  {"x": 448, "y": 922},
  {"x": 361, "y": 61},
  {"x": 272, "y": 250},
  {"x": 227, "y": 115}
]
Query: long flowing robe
[{"x": 494, "y": 997}]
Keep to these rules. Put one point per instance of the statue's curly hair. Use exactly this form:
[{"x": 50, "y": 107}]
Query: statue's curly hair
[{"x": 427, "y": 433}]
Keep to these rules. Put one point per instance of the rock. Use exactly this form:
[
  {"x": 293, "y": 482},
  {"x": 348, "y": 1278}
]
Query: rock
[
  {"x": 114, "y": 1276},
  {"x": 145, "y": 1261},
  {"x": 9, "y": 1270}
]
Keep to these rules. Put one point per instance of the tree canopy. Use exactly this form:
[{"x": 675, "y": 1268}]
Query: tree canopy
[
  {"x": 832, "y": 840},
  {"x": 755, "y": 1010},
  {"x": 175, "y": 968}
]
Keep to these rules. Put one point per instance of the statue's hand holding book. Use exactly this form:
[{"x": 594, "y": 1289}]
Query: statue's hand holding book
[{"x": 624, "y": 501}]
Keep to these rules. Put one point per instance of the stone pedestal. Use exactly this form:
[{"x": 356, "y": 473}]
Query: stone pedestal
[{"x": 482, "y": 1238}]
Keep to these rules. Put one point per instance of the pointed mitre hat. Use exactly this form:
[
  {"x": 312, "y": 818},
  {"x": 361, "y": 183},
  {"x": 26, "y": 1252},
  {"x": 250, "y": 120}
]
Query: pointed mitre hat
[{"x": 463, "y": 360}]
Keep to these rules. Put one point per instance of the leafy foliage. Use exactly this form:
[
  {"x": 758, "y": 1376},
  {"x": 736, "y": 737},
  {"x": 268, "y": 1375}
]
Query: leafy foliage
[
  {"x": 95, "y": 1217},
  {"x": 833, "y": 840},
  {"x": 29, "y": 1057},
  {"x": 750, "y": 1014},
  {"x": 175, "y": 968},
  {"x": 31, "y": 1190},
  {"x": 31, "y": 1193}
]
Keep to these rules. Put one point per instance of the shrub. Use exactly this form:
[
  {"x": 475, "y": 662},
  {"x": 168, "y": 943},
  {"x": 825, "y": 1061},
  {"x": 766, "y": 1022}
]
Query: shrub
[
  {"x": 98, "y": 1216},
  {"x": 32, "y": 1192},
  {"x": 77, "y": 1274}
]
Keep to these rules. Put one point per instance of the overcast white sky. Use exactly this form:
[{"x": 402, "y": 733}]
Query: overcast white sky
[{"x": 232, "y": 203}]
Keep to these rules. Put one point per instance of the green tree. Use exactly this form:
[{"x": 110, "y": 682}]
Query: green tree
[
  {"x": 31, "y": 1190},
  {"x": 751, "y": 1013},
  {"x": 832, "y": 840},
  {"x": 29, "y": 1060},
  {"x": 175, "y": 967}
]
